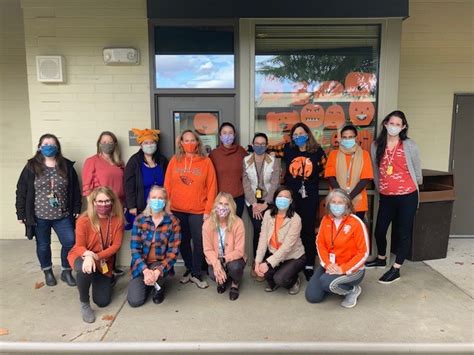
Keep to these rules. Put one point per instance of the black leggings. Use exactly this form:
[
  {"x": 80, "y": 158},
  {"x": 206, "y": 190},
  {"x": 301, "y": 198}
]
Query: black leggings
[
  {"x": 285, "y": 274},
  {"x": 399, "y": 210},
  {"x": 307, "y": 209},
  {"x": 101, "y": 285}
]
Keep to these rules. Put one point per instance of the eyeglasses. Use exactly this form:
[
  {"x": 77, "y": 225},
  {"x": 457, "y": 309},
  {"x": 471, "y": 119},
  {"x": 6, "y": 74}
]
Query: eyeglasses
[{"x": 103, "y": 202}]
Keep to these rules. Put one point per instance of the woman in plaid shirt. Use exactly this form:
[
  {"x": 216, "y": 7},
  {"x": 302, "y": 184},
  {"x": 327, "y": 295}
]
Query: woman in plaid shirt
[{"x": 156, "y": 236}]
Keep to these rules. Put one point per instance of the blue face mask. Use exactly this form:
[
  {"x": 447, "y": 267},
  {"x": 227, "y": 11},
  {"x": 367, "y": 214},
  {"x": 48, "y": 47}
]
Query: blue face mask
[
  {"x": 337, "y": 210},
  {"x": 49, "y": 150},
  {"x": 282, "y": 203},
  {"x": 348, "y": 143},
  {"x": 157, "y": 204},
  {"x": 300, "y": 140},
  {"x": 259, "y": 149}
]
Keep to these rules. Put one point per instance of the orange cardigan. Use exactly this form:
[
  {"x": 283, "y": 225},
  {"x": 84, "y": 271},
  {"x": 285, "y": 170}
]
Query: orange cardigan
[
  {"x": 87, "y": 238},
  {"x": 234, "y": 242},
  {"x": 351, "y": 245}
]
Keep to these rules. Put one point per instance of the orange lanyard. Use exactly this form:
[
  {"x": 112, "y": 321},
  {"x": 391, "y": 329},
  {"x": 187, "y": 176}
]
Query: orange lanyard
[
  {"x": 106, "y": 244},
  {"x": 333, "y": 238}
]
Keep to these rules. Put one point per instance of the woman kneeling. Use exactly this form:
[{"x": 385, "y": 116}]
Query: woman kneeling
[
  {"x": 99, "y": 234},
  {"x": 342, "y": 244},
  {"x": 224, "y": 244},
  {"x": 156, "y": 235}
]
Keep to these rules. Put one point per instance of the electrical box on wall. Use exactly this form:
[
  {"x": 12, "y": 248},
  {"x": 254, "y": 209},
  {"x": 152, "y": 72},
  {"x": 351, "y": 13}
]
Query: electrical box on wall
[
  {"x": 50, "y": 69},
  {"x": 121, "y": 56}
]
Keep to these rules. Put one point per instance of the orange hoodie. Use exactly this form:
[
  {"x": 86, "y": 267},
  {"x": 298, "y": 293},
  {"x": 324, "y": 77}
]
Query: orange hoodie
[
  {"x": 351, "y": 243},
  {"x": 191, "y": 184}
]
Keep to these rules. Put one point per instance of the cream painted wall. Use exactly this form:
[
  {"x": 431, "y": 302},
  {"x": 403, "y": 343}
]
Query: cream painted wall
[
  {"x": 15, "y": 142},
  {"x": 437, "y": 61}
]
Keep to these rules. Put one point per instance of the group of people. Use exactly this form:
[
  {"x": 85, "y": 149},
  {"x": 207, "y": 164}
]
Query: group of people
[{"x": 193, "y": 205}]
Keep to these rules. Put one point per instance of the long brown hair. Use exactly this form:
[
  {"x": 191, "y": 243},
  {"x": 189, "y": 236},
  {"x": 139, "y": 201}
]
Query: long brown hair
[
  {"x": 381, "y": 141},
  {"x": 311, "y": 146},
  {"x": 37, "y": 162},
  {"x": 116, "y": 157},
  {"x": 91, "y": 212},
  {"x": 232, "y": 214},
  {"x": 180, "y": 153}
]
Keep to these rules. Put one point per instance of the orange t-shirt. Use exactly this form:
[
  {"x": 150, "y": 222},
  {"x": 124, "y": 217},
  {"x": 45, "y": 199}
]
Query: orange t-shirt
[
  {"x": 274, "y": 242},
  {"x": 366, "y": 173}
]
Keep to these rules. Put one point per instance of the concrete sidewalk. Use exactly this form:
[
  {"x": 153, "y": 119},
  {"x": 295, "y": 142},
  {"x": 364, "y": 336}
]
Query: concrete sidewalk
[{"x": 423, "y": 307}]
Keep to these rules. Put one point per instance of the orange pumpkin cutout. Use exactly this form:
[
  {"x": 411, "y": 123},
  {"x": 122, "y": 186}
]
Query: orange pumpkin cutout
[
  {"x": 360, "y": 84},
  {"x": 335, "y": 139},
  {"x": 361, "y": 113},
  {"x": 301, "y": 166},
  {"x": 365, "y": 138},
  {"x": 282, "y": 121},
  {"x": 312, "y": 115},
  {"x": 334, "y": 117},
  {"x": 329, "y": 89},
  {"x": 205, "y": 123}
]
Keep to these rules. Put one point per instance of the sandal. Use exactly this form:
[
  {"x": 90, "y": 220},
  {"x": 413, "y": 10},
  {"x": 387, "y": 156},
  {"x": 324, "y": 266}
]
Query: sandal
[{"x": 233, "y": 293}]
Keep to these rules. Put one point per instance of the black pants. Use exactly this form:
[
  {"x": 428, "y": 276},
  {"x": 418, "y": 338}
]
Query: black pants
[
  {"x": 234, "y": 270},
  {"x": 191, "y": 229},
  {"x": 307, "y": 209},
  {"x": 240, "y": 204},
  {"x": 101, "y": 285},
  {"x": 257, "y": 227},
  {"x": 138, "y": 292},
  {"x": 285, "y": 274},
  {"x": 399, "y": 210}
]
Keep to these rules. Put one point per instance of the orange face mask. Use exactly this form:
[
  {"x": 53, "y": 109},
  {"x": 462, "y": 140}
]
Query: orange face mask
[{"x": 189, "y": 147}]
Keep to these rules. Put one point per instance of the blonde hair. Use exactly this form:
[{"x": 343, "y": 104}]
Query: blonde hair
[
  {"x": 180, "y": 153},
  {"x": 231, "y": 218},
  {"x": 91, "y": 212},
  {"x": 345, "y": 197},
  {"x": 147, "y": 211},
  {"x": 116, "y": 157}
]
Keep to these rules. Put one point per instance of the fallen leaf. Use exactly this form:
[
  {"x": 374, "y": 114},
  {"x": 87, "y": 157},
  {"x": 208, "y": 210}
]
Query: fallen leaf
[
  {"x": 3, "y": 331},
  {"x": 108, "y": 317},
  {"x": 164, "y": 339},
  {"x": 39, "y": 285},
  {"x": 459, "y": 263}
]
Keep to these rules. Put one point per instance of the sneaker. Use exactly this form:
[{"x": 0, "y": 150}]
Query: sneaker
[
  {"x": 49, "y": 277},
  {"x": 390, "y": 276},
  {"x": 295, "y": 288},
  {"x": 351, "y": 298},
  {"x": 87, "y": 312},
  {"x": 186, "y": 277},
  {"x": 308, "y": 273},
  {"x": 198, "y": 281},
  {"x": 376, "y": 263},
  {"x": 66, "y": 276}
]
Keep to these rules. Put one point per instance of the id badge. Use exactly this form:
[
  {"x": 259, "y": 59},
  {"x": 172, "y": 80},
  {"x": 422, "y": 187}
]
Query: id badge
[
  {"x": 332, "y": 258},
  {"x": 258, "y": 194},
  {"x": 53, "y": 200},
  {"x": 103, "y": 266},
  {"x": 302, "y": 191}
]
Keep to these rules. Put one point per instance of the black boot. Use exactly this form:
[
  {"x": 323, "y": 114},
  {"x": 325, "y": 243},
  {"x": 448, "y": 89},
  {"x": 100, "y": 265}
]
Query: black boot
[
  {"x": 67, "y": 277},
  {"x": 49, "y": 277}
]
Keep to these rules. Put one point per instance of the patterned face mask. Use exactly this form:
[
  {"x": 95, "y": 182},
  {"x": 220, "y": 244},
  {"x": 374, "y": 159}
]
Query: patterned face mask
[{"x": 222, "y": 211}]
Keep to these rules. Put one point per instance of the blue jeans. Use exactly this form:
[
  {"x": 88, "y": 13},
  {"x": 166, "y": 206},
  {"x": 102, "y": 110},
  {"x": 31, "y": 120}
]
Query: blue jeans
[{"x": 65, "y": 231}]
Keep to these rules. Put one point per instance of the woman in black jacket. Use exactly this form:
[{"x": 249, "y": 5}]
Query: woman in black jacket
[
  {"x": 48, "y": 196},
  {"x": 144, "y": 169}
]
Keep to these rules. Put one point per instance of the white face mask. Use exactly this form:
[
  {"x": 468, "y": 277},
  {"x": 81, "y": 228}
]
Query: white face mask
[{"x": 393, "y": 130}]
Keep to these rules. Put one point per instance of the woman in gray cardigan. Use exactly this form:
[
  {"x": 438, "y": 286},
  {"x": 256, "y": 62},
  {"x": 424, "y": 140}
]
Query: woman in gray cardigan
[{"x": 397, "y": 174}]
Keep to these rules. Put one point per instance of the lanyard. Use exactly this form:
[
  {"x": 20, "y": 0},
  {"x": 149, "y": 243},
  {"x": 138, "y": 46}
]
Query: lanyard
[
  {"x": 190, "y": 165},
  {"x": 221, "y": 238},
  {"x": 390, "y": 159},
  {"x": 333, "y": 238},
  {"x": 261, "y": 171},
  {"x": 349, "y": 171},
  {"x": 106, "y": 244}
]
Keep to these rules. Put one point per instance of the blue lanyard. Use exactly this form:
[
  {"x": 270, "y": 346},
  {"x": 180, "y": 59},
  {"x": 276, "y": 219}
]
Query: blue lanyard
[{"x": 221, "y": 239}]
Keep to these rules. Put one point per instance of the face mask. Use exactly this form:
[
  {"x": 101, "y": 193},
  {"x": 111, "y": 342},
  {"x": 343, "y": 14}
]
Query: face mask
[
  {"x": 149, "y": 148},
  {"x": 49, "y": 150},
  {"x": 227, "y": 139},
  {"x": 103, "y": 209},
  {"x": 107, "y": 148},
  {"x": 282, "y": 203},
  {"x": 157, "y": 204},
  {"x": 337, "y": 210},
  {"x": 189, "y": 147},
  {"x": 222, "y": 211},
  {"x": 300, "y": 140},
  {"x": 348, "y": 143},
  {"x": 393, "y": 130},
  {"x": 259, "y": 149}
]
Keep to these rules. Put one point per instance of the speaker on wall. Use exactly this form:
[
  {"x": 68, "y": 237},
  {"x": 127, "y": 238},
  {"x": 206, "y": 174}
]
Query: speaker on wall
[{"x": 50, "y": 69}]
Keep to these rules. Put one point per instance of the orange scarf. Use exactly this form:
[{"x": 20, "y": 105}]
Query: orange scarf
[{"x": 274, "y": 242}]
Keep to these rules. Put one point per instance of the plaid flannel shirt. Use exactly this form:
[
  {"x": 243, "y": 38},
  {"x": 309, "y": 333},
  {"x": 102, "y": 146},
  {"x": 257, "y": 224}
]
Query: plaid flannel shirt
[{"x": 167, "y": 241}]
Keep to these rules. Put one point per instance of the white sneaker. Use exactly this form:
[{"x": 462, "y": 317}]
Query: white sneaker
[
  {"x": 351, "y": 298},
  {"x": 295, "y": 288},
  {"x": 198, "y": 281},
  {"x": 186, "y": 277}
]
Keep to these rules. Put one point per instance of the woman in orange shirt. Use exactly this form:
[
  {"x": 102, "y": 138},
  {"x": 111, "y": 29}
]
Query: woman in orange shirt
[
  {"x": 342, "y": 244},
  {"x": 350, "y": 169},
  {"x": 99, "y": 232},
  {"x": 192, "y": 186}
]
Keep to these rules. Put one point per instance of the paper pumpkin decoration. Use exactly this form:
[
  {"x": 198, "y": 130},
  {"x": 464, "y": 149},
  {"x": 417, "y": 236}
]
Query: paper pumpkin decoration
[
  {"x": 205, "y": 123},
  {"x": 329, "y": 89},
  {"x": 281, "y": 121},
  {"x": 365, "y": 138},
  {"x": 312, "y": 115},
  {"x": 360, "y": 84},
  {"x": 334, "y": 117},
  {"x": 361, "y": 113},
  {"x": 335, "y": 139}
]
